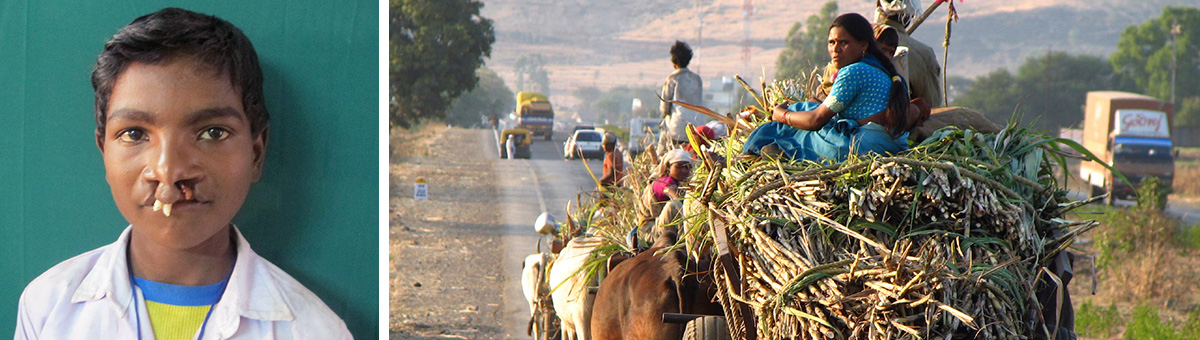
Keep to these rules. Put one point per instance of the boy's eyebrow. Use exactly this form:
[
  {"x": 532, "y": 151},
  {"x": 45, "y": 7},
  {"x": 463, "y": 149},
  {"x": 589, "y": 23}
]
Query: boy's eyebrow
[
  {"x": 214, "y": 113},
  {"x": 193, "y": 118},
  {"x": 131, "y": 114}
]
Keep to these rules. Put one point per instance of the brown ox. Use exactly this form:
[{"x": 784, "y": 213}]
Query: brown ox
[{"x": 636, "y": 293}]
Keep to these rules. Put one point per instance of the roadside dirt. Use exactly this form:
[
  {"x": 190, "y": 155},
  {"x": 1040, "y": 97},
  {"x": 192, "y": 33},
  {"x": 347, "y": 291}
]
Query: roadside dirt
[{"x": 445, "y": 252}]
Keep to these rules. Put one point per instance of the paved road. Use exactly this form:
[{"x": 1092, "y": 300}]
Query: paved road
[
  {"x": 545, "y": 182},
  {"x": 1188, "y": 212}
]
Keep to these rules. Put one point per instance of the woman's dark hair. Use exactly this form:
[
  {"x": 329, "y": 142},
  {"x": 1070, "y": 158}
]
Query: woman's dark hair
[
  {"x": 171, "y": 33},
  {"x": 681, "y": 54},
  {"x": 860, "y": 29}
]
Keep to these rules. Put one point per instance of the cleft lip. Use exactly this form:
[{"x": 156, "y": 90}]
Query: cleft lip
[
  {"x": 166, "y": 198},
  {"x": 147, "y": 203}
]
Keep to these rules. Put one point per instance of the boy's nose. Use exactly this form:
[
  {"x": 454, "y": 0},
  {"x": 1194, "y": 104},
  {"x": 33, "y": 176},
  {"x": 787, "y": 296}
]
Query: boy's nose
[{"x": 174, "y": 167}]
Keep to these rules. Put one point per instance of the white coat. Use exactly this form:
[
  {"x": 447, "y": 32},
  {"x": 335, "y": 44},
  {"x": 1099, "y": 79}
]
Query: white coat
[{"x": 90, "y": 297}]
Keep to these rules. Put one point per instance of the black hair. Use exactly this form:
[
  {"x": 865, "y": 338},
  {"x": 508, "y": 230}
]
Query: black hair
[
  {"x": 681, "y": 54},
  {"x": 860, "y": 29},
  {"x": 171, "y": 33}
]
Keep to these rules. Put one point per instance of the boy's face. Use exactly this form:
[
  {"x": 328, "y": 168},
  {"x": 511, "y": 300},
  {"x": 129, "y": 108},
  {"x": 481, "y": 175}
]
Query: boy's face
[{"x": 176, "y": 134}]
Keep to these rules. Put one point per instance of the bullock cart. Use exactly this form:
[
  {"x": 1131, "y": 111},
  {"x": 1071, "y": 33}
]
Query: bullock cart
[{"x": 965, "y": 236}]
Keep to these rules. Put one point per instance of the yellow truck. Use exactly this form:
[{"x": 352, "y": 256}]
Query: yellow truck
[
  {"x": 1132, "y": 134},
  {"x": 535, "y": 114}
]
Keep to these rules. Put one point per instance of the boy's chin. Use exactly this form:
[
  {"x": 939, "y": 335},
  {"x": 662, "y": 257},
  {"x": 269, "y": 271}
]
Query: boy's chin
[{"x": 182, "y": 233}]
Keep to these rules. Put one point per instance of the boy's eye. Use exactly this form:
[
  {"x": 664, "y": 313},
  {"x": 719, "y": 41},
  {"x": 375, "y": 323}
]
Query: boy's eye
[
  {"x": 131, "y": 135},
  {"x": 214, "y": 133}
]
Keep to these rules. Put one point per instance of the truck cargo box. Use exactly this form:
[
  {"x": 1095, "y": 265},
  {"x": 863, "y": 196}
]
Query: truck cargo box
[{"x": 1132, "y": 134}]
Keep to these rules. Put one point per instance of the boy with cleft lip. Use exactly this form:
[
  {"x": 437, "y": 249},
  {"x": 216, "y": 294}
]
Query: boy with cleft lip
[{"x": 182, "y": 128}]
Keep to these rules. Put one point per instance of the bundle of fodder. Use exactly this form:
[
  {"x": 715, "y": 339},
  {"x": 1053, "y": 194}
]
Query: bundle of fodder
[{"x": 948, "y": 240}]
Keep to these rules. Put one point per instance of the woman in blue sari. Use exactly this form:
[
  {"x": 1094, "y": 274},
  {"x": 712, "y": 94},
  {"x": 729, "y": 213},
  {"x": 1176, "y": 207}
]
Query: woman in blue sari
[{"x": 867, "y": 110}]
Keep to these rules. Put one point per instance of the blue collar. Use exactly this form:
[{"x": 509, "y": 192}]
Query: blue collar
[
  {"x": 179, "y": 295},
  {"x": 871, "y": 60}
]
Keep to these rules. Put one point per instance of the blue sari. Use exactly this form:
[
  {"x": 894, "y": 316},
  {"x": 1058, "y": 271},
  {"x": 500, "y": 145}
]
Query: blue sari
[{"x": 862, "y": 89}]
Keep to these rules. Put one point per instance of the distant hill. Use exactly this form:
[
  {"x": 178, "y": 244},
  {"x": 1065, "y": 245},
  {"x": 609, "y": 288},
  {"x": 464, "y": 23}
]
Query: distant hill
[{"x": 624, "y": 42}]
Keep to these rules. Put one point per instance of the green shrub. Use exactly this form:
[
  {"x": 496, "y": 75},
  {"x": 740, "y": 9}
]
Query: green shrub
[
  {"x": 1191, "y": 329},
  {"x": 1097, "y": 322},
  {"x": 1145, "y": 226},
  {"x": 1189, "y": 237},
  {"x": 1146, "y": 325},
  {"x": 1151, "y": 194}
]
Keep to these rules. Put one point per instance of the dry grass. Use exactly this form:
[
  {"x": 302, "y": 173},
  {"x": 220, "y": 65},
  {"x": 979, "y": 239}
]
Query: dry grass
[
  {"x": 1145, "y": 261},
  {"x": 1141, "y": 259},
  {"x": 1187, "y": 180},
  {"x": 413, "y": 141}
]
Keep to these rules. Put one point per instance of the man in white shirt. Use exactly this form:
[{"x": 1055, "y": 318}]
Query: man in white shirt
[
  {"x": 685, "y": 86},
  {"x": 182, "y": 128}
]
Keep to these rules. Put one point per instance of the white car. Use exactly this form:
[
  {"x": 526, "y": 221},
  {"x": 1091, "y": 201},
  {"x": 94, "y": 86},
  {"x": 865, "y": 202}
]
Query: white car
[{"x": 584, "y": 143}]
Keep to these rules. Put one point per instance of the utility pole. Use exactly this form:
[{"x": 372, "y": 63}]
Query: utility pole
[
  {"x": 747, "y": 30},
  {"x": 1175, "y": 30}
]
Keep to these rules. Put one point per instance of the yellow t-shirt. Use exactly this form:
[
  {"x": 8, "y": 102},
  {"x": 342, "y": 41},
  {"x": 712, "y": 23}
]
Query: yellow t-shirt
[{"x": 178, "y": 312}]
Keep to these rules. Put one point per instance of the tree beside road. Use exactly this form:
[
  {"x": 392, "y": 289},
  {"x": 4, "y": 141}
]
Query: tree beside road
[
  {"x": 490, "y": 97},
  {"x": 1047, "y": 91},
  {"x": 1150, "y": 52},
  {"x": 435, "y": 46},
  {"x": 805, "y": 44}
]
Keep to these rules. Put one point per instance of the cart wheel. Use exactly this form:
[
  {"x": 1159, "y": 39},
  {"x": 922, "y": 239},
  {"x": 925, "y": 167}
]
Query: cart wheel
[{"x": 706, "y": 328}]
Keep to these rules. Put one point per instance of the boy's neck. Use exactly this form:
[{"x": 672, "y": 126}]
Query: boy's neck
[{"x": 207, "y": 263}]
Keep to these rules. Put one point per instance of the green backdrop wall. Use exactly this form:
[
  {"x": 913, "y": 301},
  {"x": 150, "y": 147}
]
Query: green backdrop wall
[{"x": 315, "y": 212}]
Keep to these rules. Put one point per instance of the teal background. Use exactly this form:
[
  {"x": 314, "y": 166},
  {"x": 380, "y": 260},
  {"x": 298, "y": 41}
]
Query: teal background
[{"x": 315, "y": 212}]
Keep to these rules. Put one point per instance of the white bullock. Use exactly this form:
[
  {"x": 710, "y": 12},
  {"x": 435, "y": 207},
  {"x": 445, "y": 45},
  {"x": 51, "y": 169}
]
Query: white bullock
[{"x": 571, "y": 300}]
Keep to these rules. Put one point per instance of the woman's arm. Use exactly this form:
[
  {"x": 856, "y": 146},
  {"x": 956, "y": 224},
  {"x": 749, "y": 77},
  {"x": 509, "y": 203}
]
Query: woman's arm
[
  {"x": 808, "y": 120},
  {"x": 673, "y": 192}
]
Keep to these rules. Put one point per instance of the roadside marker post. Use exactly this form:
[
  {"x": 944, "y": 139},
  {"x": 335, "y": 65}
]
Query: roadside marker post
[{"x": 421, "y": 190}]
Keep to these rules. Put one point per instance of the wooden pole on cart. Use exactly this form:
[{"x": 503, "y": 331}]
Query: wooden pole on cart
[
  {"x": 727, "y": 265},
  {"x": 921, "y": 19}
]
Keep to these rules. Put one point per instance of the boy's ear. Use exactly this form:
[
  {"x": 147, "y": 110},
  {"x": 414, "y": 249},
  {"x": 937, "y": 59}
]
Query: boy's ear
[
  {"x": 260, "y": 152},
  {"x": 100, "y": 141}
]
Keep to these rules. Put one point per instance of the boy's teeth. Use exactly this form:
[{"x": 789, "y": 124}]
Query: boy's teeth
[
  {"x": 158, "y": 205},
  {"x": 167, "y": 209}
]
